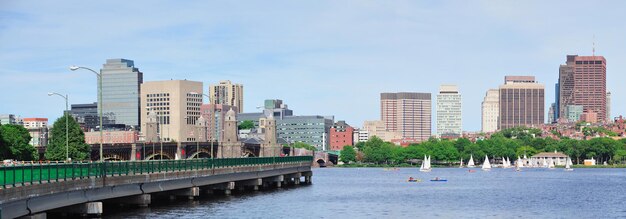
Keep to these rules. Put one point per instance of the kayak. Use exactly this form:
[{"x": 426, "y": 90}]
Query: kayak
[
  {"x": 439, "y": 180},
  {"x": 414, "y": 180}
]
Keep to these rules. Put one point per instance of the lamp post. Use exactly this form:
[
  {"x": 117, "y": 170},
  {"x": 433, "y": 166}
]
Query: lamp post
[
  {"x": 67, "y": 139},
  {"x": 99, "y": 75}
]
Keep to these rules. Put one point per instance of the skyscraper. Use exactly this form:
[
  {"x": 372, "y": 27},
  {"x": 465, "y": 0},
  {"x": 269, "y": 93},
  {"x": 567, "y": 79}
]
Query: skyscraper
[
  {"x": 120, "y": 92},
  {"x": 177, "y": 105},
  {"x": 490, "y": 109},
  {"x": 583, "y": 82},
  {"x": 521, "y": 102},
  {"x": 408, "y": 113},
  {"x": 449, "y": 121},
  {"x": 227, "y": 93}
]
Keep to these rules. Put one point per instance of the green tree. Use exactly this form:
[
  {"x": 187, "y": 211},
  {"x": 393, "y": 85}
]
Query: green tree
[
  {"x": 525, "y": 150},
  {"x": 78, "y": 149},
  {"x": 305, "y": 146},
  {"x": 360, "y": 145},
  {"x": 245, "y": 125},
  {"x": 348, "y": 154},
  {"x": 377, "y": 151},
  {"x": 15, "y": 143}
]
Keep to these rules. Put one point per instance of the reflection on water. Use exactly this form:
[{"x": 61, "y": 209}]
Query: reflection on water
[{"x": 376, "y": 193}]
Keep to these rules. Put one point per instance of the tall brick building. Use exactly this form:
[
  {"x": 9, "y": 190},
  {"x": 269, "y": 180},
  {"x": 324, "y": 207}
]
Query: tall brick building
[
  {"x": 582, "y": 81},
  {"x": 341, "y": 134}
]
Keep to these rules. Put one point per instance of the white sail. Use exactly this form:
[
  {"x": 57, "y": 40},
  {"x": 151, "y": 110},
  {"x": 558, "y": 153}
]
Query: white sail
[
  {"x": 486, "y": 164},
  {"x": 470, "y": 163},
  {"x": 568, "y": 164},
  {"x": 461, "y": 165},
  {"x": 544, "y": 163},
  {"x": 520, "y": 162},
  {"x": 425, "y": 165}
]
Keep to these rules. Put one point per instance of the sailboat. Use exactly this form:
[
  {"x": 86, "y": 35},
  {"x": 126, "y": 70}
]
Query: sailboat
[
  {"x": 461, "y": 165},
  {"x": 470, "y": 163},
  {"x": 544, "y": 164},
  {"x": 486, "y": 164},
  {"x": 518, "y": 164},
  {"x": 568, "y": 165},
  {"x": 425, "y": 165}
]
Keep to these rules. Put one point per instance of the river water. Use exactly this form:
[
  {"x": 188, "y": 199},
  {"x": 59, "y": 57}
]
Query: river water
[{"x": 376, "y": 193}]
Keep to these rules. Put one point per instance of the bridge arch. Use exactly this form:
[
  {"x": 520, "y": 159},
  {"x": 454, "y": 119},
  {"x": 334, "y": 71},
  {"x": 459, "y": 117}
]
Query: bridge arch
[
  {"x": 159, "y": 156},
  {"x": 321, "y": 162},
  {"x": 200, "y": 154},
  {"x": 248, "y": 153}
]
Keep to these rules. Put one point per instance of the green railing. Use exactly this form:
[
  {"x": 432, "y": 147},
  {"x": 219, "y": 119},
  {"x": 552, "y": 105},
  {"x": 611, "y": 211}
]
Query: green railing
[{"x": 28, "y": 174}]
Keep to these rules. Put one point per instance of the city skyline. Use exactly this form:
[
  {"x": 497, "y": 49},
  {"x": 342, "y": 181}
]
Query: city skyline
[{"x": 256, "y": 51}]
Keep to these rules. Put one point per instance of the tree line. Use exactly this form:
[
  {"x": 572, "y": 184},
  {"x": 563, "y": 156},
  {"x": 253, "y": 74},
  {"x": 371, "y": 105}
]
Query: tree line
[
  {"x": 15, "y": 142},
  {"x": 509, "y": 143}
]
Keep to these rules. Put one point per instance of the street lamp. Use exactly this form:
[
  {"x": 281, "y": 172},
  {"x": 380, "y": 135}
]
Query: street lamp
[
  {"x": 67, "y": 139},
  {"x": 99, "y": 75}
]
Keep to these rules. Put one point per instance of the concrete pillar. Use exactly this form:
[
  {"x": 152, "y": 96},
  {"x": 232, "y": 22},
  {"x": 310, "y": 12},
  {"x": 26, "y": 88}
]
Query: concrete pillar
[
  {"x": 142, "y": 200},
  {"x": 275, "y": 180},
  {"x": 85, "y": 209},
  {"x": 253, "y": 183},
  {"x": 133, "y": 152},
  {"x": 35, "y": 216},
  {"x": 225, "y": 187},
  {"x": 190, "y": 193}
]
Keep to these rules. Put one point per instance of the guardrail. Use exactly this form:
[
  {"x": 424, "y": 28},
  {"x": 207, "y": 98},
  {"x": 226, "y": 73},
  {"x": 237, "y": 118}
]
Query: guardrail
[{"x": 28, "y": 174}]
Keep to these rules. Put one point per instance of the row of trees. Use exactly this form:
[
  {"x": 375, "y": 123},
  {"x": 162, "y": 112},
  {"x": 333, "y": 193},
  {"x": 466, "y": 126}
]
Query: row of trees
[
  {"x": 15, "y": 142},
  {"x": 509, "y": 143}
]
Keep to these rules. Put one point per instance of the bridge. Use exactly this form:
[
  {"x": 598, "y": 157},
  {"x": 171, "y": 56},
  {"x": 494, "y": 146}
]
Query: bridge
[{"x": 31, "y": 190}]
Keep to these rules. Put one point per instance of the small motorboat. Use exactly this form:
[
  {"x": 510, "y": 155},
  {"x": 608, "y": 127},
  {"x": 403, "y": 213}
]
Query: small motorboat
[
  {"x": 437, "y": 179},
  {"x": 411, "y": 179},
  {"x": 471, "y": 171}
]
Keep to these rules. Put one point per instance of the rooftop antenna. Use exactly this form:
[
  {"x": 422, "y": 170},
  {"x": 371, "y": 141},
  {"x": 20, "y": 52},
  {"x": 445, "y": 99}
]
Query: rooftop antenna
[{"x": 593, "y": 49}]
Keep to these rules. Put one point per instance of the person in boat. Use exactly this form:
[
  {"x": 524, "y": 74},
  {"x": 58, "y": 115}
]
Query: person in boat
[
  {"x": 411, "y": 178},
  {"x": 437, "y": 178}
]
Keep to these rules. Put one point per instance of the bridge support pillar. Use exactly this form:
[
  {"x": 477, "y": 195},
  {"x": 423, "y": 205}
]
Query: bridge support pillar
[
  {"x": 307, "y": 177},
  {"x": 190, "y": 193},
  {"x": 293, "y": 178},
  {"x": 35, "y": 216},
  {"x": 253, "y": 183},
  {"x": 85, "y": 209},
  {"x": 225, "y": 187},
  {"x": 142, "y": 200},
  {"x": 274, "y": 181}
]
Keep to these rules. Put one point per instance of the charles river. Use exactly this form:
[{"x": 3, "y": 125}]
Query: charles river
[{"x": 377, "y": 193}]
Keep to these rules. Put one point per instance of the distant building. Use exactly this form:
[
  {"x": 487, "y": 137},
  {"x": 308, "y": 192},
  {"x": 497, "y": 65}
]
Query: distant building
[
  {"x": 360, "y": 135},
  {"x": 112, "y": 137},
  {"x": 556, "y": 113},
  {"x": 38, "y": 130},
  {"x": 573, "y": 112},
  {"x": 120, "y": 92},
  {"x": 378, "y": 129},
  {"x": 490, "y": 111},
  {"x": 590, "y": 117},
  {"x": 551, "y": 113},
  {"x": 312, "y": 130},
  {"x": 177, "y": 105},
  {"x": 449, "y": 119},
  {"x": 583, "y": 82},
  {"x": 521, "y": 102},
  {"x": 608, "y": 108},
  {"x": 341, "y": 134},
  {"x": 86, "y": 115},
  {"x": 9, "y": 119},
  {"x": 214, "y": 115},
  {"x": 227, "y": 93},
  {"x": 557, "y": 157},
  {"x": 407, "y": 113},
  {"x": 273, "y": 107}
]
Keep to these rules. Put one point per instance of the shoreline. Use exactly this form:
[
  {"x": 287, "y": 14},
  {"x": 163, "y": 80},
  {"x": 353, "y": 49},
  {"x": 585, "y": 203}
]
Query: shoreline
[{"x": 477, "y": 167}]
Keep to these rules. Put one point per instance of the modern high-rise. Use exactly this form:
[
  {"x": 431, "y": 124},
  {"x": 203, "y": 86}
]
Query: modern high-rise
[
  {"x": 177, "y": 106},
  {"x": 449, "y": 120},
  {"x": 312, "y": 130},
  {"x": 521, "y": 102},
  {"x": 582, "y": 82},
  {"x": 490, "y": 109},
  {"x": 227, "y": 93},
  {"x": 407, "y": 113},
  {"x": 120, "y": 92}
]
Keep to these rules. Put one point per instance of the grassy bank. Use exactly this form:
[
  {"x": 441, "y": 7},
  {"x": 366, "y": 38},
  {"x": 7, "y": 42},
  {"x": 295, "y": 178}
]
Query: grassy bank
[{"x": 601, "y": 166}]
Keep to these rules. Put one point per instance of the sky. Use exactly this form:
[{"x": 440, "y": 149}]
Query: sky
[{"x": 319, "y": 57}]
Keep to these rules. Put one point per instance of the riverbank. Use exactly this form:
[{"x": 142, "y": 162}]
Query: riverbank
[{"x": 364, "y": 165}]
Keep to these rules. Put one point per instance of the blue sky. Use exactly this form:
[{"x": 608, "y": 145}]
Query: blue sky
[{"x": 320, "y": 57}]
